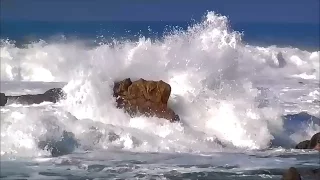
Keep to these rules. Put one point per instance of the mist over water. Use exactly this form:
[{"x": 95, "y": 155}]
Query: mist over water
[{"x": 229, "y": 95}]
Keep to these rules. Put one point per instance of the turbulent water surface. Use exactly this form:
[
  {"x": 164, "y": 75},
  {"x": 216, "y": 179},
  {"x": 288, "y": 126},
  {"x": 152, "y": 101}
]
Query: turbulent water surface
[{"x": 230, "y": 95}]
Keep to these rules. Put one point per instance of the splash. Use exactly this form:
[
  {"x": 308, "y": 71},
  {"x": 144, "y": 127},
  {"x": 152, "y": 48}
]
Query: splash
[{"x": 221, "y": 88}]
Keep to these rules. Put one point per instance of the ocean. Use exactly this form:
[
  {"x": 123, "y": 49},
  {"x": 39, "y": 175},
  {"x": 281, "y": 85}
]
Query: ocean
[{"x": 229, "y": 87}]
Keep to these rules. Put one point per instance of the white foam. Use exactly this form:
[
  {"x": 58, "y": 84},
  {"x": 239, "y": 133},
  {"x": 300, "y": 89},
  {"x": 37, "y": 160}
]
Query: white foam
[{"x": 214, "y": 78}]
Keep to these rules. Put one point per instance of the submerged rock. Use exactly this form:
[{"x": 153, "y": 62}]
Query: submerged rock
[
  {"x": 313, "y": 143},
  {"x": 291, "y": 174},
  {"x": 63, "y": 146},
  {"x": 52, "y": 95},
  {"x": 316, "y": 173},
  {"x": 149, "y": 98},
  {"x": 112, "y": 136},
  {"x": 302, "y": 173},
  {"x": 282, "y": 62},
  {"x": 301, "y": 117}
]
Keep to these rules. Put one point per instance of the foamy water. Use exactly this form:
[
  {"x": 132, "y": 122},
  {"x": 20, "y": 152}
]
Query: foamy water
[{"x": 222, "y": 89}]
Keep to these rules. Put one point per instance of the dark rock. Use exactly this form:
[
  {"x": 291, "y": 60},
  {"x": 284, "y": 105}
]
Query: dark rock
[
  {"x": 316, "y": 173},
  {"x": 55, "y": 94},
  {"x": 282, "y": 62},
  {"x": 303, "y": 145},
  {"x": 309, "y": 173},
  {"x": 120, "y": 88},
  {"x": 63, "y": 146},
  {"x": 52, "y": 95},
  {"x": 291, "y": 174},
  {"x": 301, "y": 117},
  {"x": 149, "y": 98},
  {"x": 315, "y": 142},
  {"x": 3, "y": 99},
  {"x": 316, "y": 101},
  {"x": 113, "y": 136}
]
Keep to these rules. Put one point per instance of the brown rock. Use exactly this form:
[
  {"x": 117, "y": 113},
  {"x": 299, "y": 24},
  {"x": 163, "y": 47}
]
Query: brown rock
[
  {"x": 119, "y": 91},
  {"x": 121, "y": 87},
  {"x": 149, "y": 98},
  {"x": 291, "y": 174}
]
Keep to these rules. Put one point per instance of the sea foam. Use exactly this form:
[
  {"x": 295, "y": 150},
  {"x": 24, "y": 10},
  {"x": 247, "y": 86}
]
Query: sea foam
[{"x": 222, "y": 88}]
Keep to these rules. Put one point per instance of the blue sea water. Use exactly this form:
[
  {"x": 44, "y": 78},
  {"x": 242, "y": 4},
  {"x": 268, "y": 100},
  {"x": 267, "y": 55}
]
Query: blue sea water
[
  {"x": 301, "y": 35},
  {"x": 240, "y": 110}
]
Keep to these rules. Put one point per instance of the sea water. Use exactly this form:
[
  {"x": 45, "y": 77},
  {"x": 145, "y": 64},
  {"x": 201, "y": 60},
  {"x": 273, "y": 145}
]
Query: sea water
[{"x": 230, "y": 88}]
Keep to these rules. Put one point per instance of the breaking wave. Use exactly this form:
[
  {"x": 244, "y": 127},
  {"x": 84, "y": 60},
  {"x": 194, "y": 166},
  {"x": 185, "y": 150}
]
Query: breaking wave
[{"x": 229, "y": 95}]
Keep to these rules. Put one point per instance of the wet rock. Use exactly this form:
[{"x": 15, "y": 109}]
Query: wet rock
[
  {"x": 52, "y": 95},
  {"x": 63, "y": 146},
  {"x": 282, "y": 62},
  {"x": 303, "y": 145},
  {"x": 313, "y": 143},
  {"x": 3, "y": 99},
  {"x": 301, "y": 117},
  {"x": 149, "y": 98},
  {"x": 113, "y": 136},
  {"x": 291, "y": 174},
  {"x": 309, "y": 173},
  {"x": 55, "y": 94}
]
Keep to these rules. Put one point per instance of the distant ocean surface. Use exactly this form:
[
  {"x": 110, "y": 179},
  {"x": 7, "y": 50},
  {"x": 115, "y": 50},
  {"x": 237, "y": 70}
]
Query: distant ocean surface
[
  {"x": 244, "y": 100},
  {"x": 301, "y": 35}
]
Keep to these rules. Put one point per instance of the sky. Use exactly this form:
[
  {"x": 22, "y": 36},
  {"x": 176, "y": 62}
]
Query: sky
[{"x": 238, "y": 11}]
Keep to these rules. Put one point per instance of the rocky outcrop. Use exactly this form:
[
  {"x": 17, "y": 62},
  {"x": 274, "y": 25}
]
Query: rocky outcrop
[
  {"x": 52, "y": 95},
  {"x": 313, "y": 143},
  {"x": 149, "y": 98},
  {"x": 291, "y": 174}
]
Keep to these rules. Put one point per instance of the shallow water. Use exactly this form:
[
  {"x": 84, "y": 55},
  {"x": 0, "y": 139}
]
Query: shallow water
[{"x": 118, "y": 164}]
